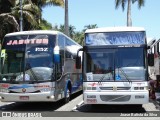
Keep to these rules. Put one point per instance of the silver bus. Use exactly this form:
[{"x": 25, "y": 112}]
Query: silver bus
[{"x": 38, "y": 66}]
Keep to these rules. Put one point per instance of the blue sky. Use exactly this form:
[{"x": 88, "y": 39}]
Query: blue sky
[{"x": 104, "y": 14}]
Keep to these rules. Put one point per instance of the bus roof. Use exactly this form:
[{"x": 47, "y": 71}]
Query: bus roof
[
  {"x": 114, "y": 29},
  {"x": 33, "y": 32}
]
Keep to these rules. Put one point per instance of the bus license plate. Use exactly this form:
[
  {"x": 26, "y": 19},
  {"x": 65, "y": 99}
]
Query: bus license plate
[{"x": 24, "y": 97}]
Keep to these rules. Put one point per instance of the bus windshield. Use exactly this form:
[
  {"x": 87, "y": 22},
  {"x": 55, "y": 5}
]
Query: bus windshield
[
  {"x": 27, "y": 58},
  {"x": 115, "y": 64}
]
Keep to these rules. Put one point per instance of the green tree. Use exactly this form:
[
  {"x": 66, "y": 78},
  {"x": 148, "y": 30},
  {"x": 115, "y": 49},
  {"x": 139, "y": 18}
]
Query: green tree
[
  {"x": 10, "y": 14},
  {"x": 61, "y": 28},
  {"x": 9, "y": 20},
  {"x": 92, "y": 26},
  {"x": 124, "y": 2},
  {"x": 43, "y": 3},
  {"x": 44, "y": 25},
  {"x": 6, "y": 5},
  {"x": 79, "y": 37}
]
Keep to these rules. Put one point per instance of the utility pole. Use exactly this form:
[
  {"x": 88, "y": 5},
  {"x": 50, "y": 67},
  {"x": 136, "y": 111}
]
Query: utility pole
[
  {"x": 66, "y": 24},
  {"x": 21, "y": 16}
]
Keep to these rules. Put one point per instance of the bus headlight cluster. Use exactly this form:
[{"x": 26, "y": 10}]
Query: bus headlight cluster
[
  {"x": 46, "y": 90},
  {"x": 89, "y": 88},
  {"x": 91, "y": 96},
  {"x": 139, "y": 88},
  {"x": 4, "y": 90}
]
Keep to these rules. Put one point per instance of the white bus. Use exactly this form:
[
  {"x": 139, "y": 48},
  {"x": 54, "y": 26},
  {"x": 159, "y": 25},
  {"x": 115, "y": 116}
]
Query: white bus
[
  {"x": 38, "y": 66},
  {"x": 154, "y": 49},
  {"x": 114, "y": 66},
  {"x": 154, "y": 69}
]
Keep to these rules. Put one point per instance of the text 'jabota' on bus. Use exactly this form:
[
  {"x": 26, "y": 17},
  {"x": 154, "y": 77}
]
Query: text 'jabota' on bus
[
  {"x": 115, "y": 66},
  {"x": 38, "y": 66}
]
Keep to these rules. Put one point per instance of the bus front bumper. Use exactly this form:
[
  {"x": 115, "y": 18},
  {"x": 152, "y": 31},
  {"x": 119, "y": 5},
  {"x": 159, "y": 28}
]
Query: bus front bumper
[
  {"x": 116, "y": 97},
  {"x": 27, "y": 97}
]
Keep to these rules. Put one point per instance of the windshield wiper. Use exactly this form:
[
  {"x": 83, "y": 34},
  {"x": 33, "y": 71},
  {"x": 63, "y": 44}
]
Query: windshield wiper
[
  {"x": 101, "y": 79},
  {"x": 125, "y": 75}
]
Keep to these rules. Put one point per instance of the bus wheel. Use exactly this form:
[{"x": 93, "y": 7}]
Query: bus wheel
[{"x": 67, "y": 97}]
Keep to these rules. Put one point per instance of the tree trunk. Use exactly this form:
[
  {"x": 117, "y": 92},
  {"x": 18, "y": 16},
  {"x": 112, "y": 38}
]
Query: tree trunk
[
  {"x": 66, "y": 18},
  {"x": 129, "y": 19}
]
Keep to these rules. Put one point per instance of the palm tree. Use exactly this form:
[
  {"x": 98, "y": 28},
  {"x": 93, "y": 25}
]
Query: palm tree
[
  {"x": 124, "y": 2},
  {"x": 91, "y": 26},
  {"x": 44, "y": 25},
  {"x": 10, "y": 14},
  {"x": 71, "y": 31},
  {"x": 79, "y": 37},
  {"x": 8, "y": 24},
  {"x": 9, "y": 19},
  {"x": 61, "y": 28}
]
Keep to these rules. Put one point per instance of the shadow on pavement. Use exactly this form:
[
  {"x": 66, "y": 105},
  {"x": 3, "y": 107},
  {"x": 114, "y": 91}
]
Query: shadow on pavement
[{"x": 111, "y": 109}]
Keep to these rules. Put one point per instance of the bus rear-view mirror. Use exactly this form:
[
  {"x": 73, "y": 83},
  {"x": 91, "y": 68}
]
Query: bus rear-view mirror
[
  {"x": 78, "y": 62},
  {"x": 151, "y": 59}
]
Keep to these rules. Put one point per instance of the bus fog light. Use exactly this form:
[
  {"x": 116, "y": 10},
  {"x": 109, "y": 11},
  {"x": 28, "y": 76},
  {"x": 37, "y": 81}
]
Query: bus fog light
[{"x": 52, "y": 97}]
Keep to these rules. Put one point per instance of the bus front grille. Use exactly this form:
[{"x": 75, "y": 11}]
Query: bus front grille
[
  {"x": 115, "y": 98},
  {"x": 118, "y": 88}
]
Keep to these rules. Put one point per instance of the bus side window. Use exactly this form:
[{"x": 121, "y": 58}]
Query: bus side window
[
  {"x": 61, "y": 41},
  {"x": 59, "y": 68}
]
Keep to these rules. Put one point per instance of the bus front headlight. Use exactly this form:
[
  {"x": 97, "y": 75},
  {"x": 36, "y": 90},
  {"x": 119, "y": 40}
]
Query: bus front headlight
[
  {"x": 4, "y": 90},
  {"x": 89, "y": 88},
  {"x": 141, "y": 88}
]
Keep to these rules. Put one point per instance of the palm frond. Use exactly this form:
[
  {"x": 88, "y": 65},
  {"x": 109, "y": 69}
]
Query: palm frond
[
  {"x": 32, "y": 8},
  {"x": 117, "y": 3},
  {"x": 8, "y": 18},
  {"x": 13, "y": 2},
  {"x": 120, "y": 2},
  {"x": 30, "y": 18},
  {"x": 53, "y": 3},
  {"x": 141, "y": 3}
]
